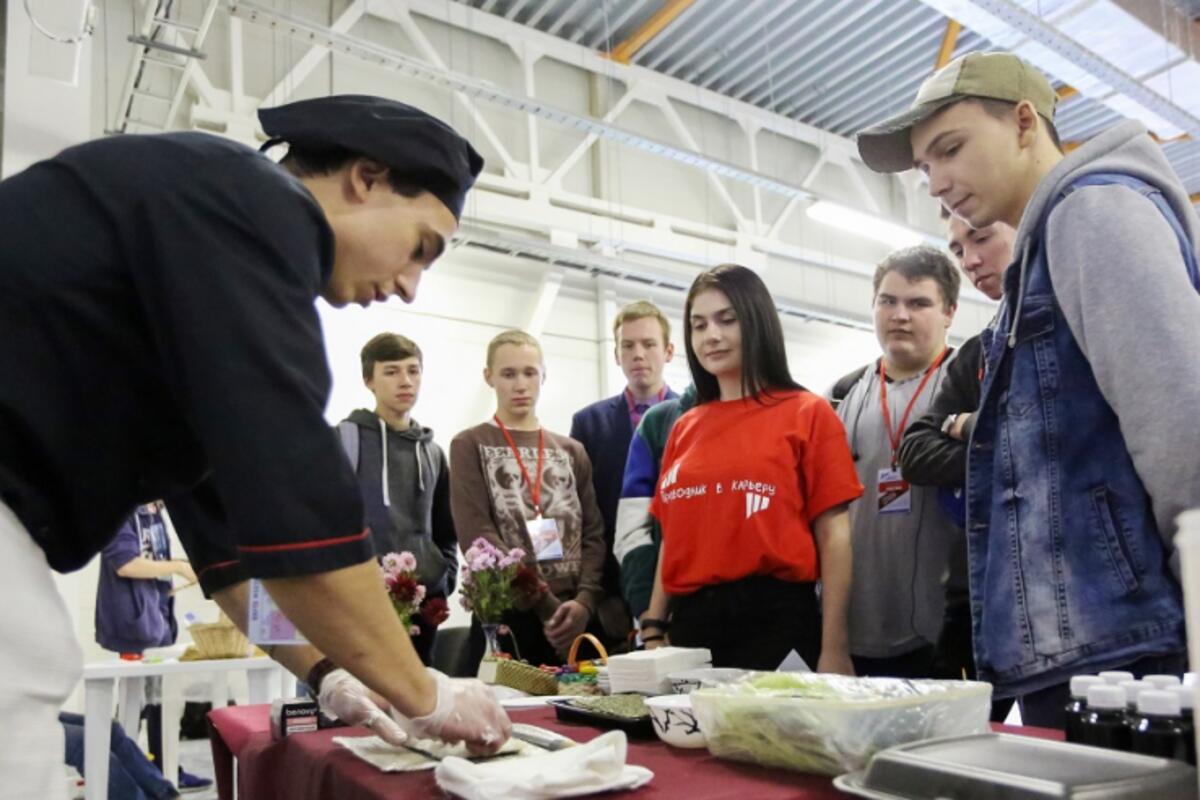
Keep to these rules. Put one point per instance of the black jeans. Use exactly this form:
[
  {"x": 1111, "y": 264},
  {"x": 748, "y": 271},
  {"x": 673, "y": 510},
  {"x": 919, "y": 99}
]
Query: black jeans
[
  {"x": 752, "y": 623},
  {"x": 424, "y": 640},
  {"x": 1046, "y": 708},
  {"x": 913, "y": 664},
  {"x": 954, "y": 658}
]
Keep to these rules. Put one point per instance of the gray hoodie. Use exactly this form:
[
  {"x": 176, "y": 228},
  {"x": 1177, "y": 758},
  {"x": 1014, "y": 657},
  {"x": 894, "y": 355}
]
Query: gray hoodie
[
  {"x": 1121, "y": 283},
  {"x": 405, "y": 483}
]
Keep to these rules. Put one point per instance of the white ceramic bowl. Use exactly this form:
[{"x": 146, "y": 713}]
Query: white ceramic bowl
[
  {"x": 689, "y": 680},
  {"x": 674, "y": 721}
]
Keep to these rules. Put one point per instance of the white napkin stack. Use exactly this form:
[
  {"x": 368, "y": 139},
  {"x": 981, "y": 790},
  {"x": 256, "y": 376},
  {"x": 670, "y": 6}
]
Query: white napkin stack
[
  {"x": 646, "y": 671},
  {"x": 598, "y": 766}
]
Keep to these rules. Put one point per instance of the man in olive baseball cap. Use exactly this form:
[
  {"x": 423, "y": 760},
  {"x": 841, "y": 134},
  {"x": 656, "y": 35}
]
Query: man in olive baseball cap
[
  {"x": 1081, "y": 436},
  {"x": 886, "y": 146}
]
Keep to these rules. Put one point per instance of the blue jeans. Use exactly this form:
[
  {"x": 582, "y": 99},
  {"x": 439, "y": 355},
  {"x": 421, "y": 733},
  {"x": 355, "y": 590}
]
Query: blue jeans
[
  {"x": 131, "y": 776},
  {"x": 1046, "y": 708}
]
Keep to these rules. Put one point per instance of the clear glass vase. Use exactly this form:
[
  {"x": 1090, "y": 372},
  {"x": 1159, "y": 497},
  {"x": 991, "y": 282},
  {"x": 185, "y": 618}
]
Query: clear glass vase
[
  {"x": 491, "y": 639},
  {"x": 491, "y": 652}
]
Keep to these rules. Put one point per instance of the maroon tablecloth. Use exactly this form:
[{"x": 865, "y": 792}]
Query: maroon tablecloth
[{"x": 309, "y": 766}]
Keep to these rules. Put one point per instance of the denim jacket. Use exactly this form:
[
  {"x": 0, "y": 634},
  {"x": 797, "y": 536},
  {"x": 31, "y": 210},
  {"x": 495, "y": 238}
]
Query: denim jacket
[{"x": 1067, "y": 567}]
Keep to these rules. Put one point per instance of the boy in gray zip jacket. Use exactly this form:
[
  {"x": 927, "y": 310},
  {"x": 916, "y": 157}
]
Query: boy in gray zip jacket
[{"x": 403, "y": 474}]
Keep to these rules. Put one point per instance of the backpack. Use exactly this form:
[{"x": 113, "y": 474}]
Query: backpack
[
  {"x": 842, "y": 388},
  {"x": 348, "y": 433}
]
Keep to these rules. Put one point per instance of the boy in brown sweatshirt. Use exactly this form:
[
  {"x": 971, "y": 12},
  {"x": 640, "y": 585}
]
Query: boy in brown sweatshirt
[{"x": 519, "y": 485}]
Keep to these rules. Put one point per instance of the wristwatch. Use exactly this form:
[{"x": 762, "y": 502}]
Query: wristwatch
[
  {"x": 948, "y": 424},
  {"x": 316, "y": 675}
]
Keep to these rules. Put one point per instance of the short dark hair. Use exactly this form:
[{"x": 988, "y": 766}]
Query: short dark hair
[
  {"x": 1002, "y": 108},
  {"x": 922, "y": 261},
  {"x": 388, "y": 347},
  {"x": 305, "y": 162},
  {"x": 764, "y": 357}
]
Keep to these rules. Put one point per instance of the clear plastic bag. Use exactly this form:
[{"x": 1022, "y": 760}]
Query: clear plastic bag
[{"x": 830, "y": 724}]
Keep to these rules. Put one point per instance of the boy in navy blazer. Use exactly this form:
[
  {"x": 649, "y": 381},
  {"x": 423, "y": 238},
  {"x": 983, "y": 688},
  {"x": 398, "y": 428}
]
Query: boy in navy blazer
[{"x": 642, "y": 336}]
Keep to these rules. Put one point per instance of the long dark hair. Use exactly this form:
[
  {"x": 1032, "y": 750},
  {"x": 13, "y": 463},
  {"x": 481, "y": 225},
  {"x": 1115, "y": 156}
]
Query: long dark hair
[{"x": 764, "y": 359}]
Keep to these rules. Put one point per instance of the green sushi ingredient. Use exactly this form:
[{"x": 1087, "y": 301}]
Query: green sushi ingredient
[{"x": 627, "y": 706}]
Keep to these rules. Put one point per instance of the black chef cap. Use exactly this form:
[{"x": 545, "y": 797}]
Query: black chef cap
[{"x": 415, "y": 145}]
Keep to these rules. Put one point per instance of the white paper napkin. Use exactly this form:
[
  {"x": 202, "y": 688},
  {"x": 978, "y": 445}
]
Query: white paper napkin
[
  {"x": 598, "y": 766},
  {"x": 389, "y": 758}
]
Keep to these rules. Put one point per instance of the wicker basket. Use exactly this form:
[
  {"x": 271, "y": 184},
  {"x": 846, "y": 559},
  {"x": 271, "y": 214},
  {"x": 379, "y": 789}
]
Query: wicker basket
[
  {"x": 220, "y": 639},
  {"x": 525, "y": 677}
]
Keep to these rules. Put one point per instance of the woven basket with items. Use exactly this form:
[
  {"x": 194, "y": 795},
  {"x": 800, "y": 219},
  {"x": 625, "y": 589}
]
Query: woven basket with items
[
  {"x": 581, "y": 677},
  {"x": 215, "y": 640},
  {"x": 576, "y": 677}
]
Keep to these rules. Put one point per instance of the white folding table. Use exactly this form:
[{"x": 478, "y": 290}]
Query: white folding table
[{"x": 103, "y": 679}]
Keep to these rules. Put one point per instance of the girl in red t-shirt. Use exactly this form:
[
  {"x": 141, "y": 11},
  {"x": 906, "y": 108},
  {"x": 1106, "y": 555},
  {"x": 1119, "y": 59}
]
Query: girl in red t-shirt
[{"x": 753, "y": 495}]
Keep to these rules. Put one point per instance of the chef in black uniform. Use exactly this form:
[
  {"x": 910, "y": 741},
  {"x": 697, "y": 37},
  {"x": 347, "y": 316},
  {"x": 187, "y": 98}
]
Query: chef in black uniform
[{"x": 158, "y": 338}]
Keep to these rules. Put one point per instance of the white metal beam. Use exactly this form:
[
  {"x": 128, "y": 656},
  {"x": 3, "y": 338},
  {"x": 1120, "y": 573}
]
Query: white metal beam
[
  {"x": 681, "y": 130},
  {"x": 786, "y": 213},
  {"x": 518, "y": 204},
  {"x": 431, "y": 55},
  {"x": 606, "y": 311},
  {"x": 237, "y": 83},
  {"x": 313, "y": 57},
  {"x": 470, "y": 19},
  {"x": 485, "y": 90},
  {"x": 543, "y": 302},
  {"x": 751, "y": 132},
  {"x": 529, "y": 56},
  {"x": 581, "y": 149}
]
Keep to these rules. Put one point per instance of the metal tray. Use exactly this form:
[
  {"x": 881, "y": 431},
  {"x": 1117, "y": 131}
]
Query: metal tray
[
  {"x": 996, "y": 766},
  {"x": 637, "y": 727}
]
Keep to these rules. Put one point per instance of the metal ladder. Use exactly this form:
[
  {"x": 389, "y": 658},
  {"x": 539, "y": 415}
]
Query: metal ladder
[{"x": 165, "y": 52}]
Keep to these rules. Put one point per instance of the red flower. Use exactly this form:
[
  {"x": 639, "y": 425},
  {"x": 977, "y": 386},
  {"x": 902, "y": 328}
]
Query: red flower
[
  {"x": 402, "y": 588},
  {"x": 527, "y": 583},
  {"x": 435, "y": 611}
]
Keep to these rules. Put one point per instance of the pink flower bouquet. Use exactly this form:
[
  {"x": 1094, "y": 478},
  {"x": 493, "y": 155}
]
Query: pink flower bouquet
[
  {"x": 405, "y": 590},
  {"x": 493, "y": 581}
]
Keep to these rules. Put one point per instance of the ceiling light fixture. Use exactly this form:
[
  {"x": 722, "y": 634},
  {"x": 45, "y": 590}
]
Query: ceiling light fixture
[{"x": 862, "y": 224}]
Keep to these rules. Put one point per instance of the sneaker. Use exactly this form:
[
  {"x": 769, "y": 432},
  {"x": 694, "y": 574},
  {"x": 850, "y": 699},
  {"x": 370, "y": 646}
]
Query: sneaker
[{"x": 192, "y": 783}]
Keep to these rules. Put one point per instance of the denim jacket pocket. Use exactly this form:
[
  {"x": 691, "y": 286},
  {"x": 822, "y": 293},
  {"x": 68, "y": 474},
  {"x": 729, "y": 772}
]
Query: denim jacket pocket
[
  {"x": 1108, "y": 525},
  {"x": 1037, "y": 320},
  {"x": 1033, "y": 378}
]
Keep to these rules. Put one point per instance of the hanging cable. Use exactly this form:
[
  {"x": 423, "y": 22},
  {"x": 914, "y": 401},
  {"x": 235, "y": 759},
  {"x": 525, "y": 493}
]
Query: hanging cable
[{"x": 89, "y": 25}]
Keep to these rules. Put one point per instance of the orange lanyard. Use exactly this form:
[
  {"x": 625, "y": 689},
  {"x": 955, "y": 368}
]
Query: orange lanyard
[
  {"x": 894, "y": 436},
  {"x": 535, "y": 489}
]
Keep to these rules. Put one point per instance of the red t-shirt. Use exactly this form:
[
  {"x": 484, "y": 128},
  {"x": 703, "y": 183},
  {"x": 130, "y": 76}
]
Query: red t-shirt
[{"x": 740, "y": 485}]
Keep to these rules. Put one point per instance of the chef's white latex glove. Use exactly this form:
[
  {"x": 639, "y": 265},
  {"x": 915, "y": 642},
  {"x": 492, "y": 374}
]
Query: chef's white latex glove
[
  {"x": 344, "y": 697},
  {"x": 466, "y": 711}
]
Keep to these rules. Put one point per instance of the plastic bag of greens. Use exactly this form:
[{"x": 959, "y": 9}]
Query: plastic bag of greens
[{"x": 830, "y": 724}]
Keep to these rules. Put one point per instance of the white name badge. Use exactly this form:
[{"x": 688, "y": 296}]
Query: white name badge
[
  {"x": 546, "y": 538},
  {"x": 895, "y": 493},
  {"x": 268, "y": 625}
]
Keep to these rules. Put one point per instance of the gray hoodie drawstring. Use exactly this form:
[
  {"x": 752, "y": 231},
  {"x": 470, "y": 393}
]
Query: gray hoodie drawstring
[
  {"x": 387, "y": 495},
  {"x": 420, "y": 468},
  {"x": 1012, "y": 335}
]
